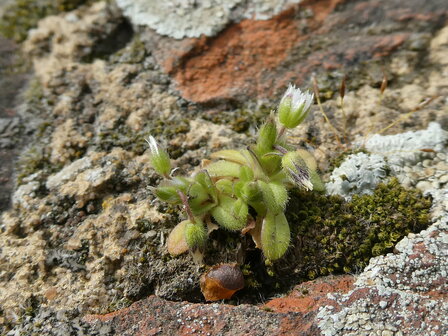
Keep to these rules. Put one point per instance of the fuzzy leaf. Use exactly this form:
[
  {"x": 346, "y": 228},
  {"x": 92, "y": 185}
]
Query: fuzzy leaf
[
  {"x": 229, "y": 155},
  {"x": 167, "y": 191},
  {"x": 246, "y": 174},
  {"x": 168, "y": 194},
  {"x": 195, "y": 234},
  {"x": 249, "y": 191},
  {"x": 176, "y": 242},
  {"x": 230, "y": 213},
  {"x": 199, "y": 199},
  {"x": 275, "y": 195},
  {"x": 225, "y": 186},
  {"x": 203, "y": 178},
  {"x": 223, "y": 168},
  {"x": 275, "y": 235},
  {"x": 318, "y": 185}
]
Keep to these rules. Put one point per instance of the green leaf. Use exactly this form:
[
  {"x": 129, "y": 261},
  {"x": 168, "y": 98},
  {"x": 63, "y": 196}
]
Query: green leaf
[
  {"x": 318, "y": 185},
  {"x": 229, "y": 155},
  {"x": 275, "y": 235},
  {"x": 223, "y": 169},
  {"x": 249, "y": 191},
  {"x": 230, "y": 213},
  {"x": 199, "y": 199},
  {"x": 167, "y": 191},
  {"x": 176, "y": 242},
  {"x": 203, "y": 178},
  {"x": 246, "y": 174},
  {"x": 225, "y": 186},
  {"x": 195, "y": 234},
  {"x": 275, "y": 195}
]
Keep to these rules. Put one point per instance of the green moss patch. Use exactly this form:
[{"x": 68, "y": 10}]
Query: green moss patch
[{"x": 334, "y": 236}]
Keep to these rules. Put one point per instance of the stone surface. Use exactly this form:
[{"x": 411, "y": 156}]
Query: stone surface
[
  {"x": 259, "y": 58},
  {"x": 12, "y": 78},
  {"x": 402, "y": 293},
  {"x": 84, "y": 229},
  {"x": 181, "y": 19}
]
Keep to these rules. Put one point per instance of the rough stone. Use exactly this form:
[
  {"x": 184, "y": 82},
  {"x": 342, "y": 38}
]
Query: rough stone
[
  {"x": 181, "y": 19},
  {"x": 291, "y": 46},
  {"x": 85, "y": 230}
]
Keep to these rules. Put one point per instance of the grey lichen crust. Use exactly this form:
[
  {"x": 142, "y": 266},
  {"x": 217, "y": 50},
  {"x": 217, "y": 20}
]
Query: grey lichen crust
[
  {"x": 358, "y": 174},
  {"x": 192, "y": 18},
  {"x": 407, "y": 148},
  {"x": 393, "y": 289},
  {"x": 400, "y": 153}
]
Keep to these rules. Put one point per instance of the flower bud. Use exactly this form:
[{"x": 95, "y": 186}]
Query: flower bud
[
  {"x": 159, "y": 158},
  {"x": 297, "y": 170},
  {"x": 267, "y": 136},
  {"x": 294, "y": 106}
]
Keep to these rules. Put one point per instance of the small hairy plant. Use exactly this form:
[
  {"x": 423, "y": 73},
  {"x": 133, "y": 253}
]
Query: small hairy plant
[{"x": 242, "y": 190}]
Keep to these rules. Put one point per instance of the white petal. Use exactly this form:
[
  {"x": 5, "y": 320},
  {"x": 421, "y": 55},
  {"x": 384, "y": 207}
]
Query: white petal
[{"x": 153, "y": 147}]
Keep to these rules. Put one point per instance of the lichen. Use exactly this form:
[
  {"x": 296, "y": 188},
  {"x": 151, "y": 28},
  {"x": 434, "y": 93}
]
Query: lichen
[
  {"x": 181, "y": 19},
  {"x": 358, "y": 174}
]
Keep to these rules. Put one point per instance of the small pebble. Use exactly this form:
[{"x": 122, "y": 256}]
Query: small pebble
[
  {"x": 443, "y": 166},
  {"x": 427, "y": 163},
  {"x": 443, "y": 179},
  {"x": 429, "y": 171},
  {"x": 424, "y": 185}
]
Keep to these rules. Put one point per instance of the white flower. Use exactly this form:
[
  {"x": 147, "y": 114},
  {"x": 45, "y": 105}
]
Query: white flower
[
  {"x": 153, "y": 146},
  {"x": 294, "y": 106}
]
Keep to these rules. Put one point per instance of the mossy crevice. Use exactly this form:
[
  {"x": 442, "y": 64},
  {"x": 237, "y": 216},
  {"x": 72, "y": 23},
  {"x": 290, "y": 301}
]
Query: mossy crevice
[
  {"x": 329, "y": 236},
  {"x": 332, "y": 236}
]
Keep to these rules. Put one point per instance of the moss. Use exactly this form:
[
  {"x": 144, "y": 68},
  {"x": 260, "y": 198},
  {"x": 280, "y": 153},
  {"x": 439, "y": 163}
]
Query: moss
[
  {"x": 333, "y": 236},
  {"x": 116, "y": 305},
  {"x": 32, "y": 160},
  {"x": 22, "y": 15},
  {"x": 134, "y": 53}
]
